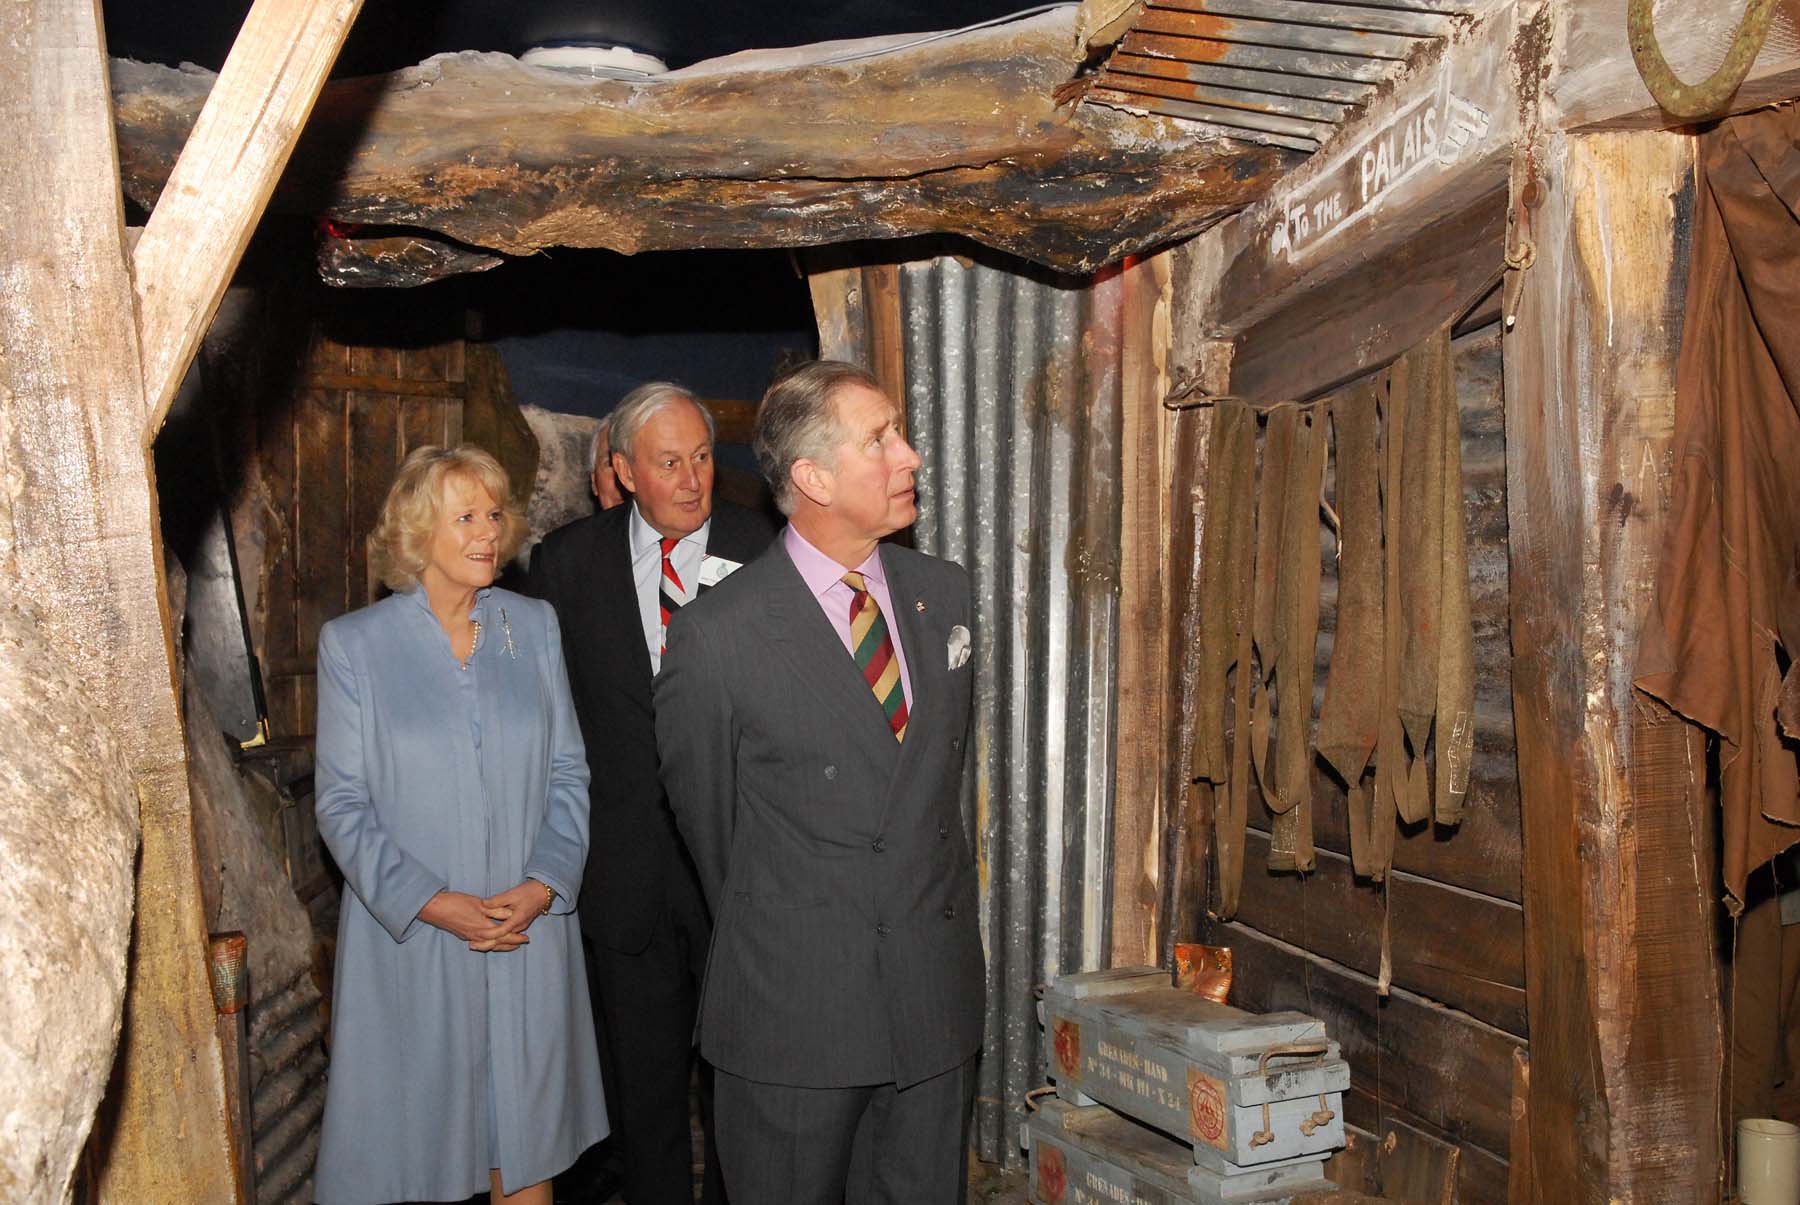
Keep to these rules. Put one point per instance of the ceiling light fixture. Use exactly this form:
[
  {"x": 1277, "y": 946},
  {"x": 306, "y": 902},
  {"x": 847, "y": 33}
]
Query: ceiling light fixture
[{"x": 599, "y": 62}]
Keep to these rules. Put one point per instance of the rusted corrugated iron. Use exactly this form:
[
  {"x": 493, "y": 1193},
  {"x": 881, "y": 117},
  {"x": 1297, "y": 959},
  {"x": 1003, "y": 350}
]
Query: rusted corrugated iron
[
  {"x": 1013, "y": 400},
  {"x": 1282, "y": 72},
  {"x": 287, "y": 1064}
]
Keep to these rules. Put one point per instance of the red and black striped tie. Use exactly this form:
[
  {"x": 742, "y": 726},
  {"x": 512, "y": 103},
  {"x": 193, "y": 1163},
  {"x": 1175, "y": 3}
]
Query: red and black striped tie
[{"x": 668, "y": 592}]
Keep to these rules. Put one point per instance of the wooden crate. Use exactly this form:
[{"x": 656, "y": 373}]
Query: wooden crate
[
  {"x": 1092, "y": 1156},
  {"x": 1243, "y": 1089}
]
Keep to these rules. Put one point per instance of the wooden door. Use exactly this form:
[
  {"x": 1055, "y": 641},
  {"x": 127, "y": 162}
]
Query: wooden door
[{"x": 326, "y": 458}]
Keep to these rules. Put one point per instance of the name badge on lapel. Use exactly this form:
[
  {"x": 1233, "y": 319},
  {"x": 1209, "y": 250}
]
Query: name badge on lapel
[{"x": 715, "y": 569}]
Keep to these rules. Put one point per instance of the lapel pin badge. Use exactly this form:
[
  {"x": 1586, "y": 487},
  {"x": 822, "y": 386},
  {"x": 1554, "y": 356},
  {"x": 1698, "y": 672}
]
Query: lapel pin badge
[{"x": 919, "y": 606}]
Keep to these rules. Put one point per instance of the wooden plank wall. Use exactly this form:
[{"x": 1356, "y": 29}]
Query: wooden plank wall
[
  {"x": 326, "y": 455},
  {"x": 1434, "y": 1058}
]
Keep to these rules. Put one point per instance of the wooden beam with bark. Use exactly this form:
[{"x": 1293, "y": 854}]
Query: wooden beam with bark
[
  {"x": 394, "y": 261},
  {"x": 958, "y": 136}
]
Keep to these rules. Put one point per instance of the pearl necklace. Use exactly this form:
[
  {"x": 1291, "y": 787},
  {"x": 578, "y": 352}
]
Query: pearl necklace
[{"x": 474, "y": 643}]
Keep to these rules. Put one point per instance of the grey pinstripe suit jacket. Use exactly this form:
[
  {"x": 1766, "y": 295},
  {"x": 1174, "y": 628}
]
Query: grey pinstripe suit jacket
[{"x": 845, "y": 945}]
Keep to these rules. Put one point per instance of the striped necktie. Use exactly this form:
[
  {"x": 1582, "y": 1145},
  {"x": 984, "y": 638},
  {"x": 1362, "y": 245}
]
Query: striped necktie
[
  {"x": 668, "y": 592},
  {"x": 874, "y": 651}
]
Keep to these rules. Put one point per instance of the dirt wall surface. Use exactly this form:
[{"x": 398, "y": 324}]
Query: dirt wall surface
[{"x": 68, "y": 834}]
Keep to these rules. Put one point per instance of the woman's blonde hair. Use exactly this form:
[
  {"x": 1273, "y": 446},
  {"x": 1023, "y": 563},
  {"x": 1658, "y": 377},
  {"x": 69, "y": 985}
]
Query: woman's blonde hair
[{"x": 398, "y": 547}]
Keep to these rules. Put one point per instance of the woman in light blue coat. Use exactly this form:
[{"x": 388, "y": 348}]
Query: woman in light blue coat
[{"x": 452, "y": 791}]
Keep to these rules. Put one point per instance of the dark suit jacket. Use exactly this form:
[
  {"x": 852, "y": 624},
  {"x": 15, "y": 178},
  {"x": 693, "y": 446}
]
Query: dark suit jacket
[
  {"x": 845, "y": 948},
  {"x": 584, "y": 570}
]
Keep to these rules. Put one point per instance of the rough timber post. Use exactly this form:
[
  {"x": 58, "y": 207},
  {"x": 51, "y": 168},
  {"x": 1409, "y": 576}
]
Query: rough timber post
[
  {"x": 82, "y": 543},
  {"x": 1624, "y": 1011},
  {"x": 1139, "y": 798},
  {"x": 78, "y": 412}
]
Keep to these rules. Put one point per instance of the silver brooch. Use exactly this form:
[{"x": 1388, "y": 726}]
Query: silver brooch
[{"x": 512, "y": 650}]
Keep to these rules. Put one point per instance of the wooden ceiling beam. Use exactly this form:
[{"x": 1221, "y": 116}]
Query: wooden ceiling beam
[
  {"x": 216, "y": 191},
  {"x": 961, "y": 136}
]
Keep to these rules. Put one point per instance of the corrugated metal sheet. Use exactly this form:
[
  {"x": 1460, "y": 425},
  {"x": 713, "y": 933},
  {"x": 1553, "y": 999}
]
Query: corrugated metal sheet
[
  {"x": 287, "y": 1033},
  {"x": 1013, "y": 401},
  {"x": 1284, "y": 72}
]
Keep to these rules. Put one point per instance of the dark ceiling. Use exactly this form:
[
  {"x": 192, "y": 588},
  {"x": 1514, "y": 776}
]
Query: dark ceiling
[{"x": 390, "y": 34}]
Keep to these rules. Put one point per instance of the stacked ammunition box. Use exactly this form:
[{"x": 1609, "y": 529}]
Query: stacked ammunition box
[{"x": 1165, "y": 1097}]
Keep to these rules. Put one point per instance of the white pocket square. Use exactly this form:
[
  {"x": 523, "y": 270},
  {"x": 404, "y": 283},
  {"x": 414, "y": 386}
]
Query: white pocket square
[{"x": 958, "y": 646}]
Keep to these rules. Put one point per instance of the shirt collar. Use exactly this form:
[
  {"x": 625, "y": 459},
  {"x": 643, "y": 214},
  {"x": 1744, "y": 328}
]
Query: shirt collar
[
  {"x": 820, "y": 572},
  {"x": 644, "y": 538},
  {"x": 423, "y": 602}
]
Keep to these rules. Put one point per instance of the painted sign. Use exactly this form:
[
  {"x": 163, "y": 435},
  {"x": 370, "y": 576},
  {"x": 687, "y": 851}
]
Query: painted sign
[{"x": 1428, "y": 134}]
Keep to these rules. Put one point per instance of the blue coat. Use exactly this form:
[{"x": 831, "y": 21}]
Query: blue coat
[{"x": 444, "y": 1061}]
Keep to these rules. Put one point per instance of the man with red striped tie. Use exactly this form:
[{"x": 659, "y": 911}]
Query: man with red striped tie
[
  {"x": 614, "y": 579},
  {"x": 811, "y": 718}
]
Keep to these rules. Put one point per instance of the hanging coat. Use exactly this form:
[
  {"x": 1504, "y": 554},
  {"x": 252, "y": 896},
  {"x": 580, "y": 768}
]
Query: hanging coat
[
  {"x": 1721, "y": 645},
  {"x": 446, "y": 1062}
]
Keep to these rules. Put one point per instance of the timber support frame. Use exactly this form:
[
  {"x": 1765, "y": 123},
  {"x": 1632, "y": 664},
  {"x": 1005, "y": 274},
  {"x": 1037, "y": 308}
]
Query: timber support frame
[
  {"x": 1401, "y": 223},
  {"x": 96, "y": 339}
]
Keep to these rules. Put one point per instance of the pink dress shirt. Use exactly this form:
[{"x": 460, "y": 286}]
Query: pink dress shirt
[{"x": 824, "y": 577}]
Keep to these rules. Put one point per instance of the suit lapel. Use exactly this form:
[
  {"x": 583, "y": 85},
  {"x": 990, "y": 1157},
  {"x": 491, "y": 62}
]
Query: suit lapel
[
  {"x": 727, "y": 538},
  {"x": 618, "y": 622},
  {"x": 797, "y": 625},
  {"x": 913, "y": 628},
  {"x": 924, "y": 661}
]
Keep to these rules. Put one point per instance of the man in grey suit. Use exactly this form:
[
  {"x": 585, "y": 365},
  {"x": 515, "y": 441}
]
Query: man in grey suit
[{"x": 811, "y": 718}]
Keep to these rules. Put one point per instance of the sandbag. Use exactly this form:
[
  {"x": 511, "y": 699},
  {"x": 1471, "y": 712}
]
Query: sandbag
[
  {"x": 1391, "y": 762},
  {"x": 1239, "y": 586},
  {"x": 1271, "y": 525},
  {"x": 1231, "y": 469},
  {"x": 1422, "y": 379},
  {"x": 1291, "y": 844},
  {"x": 1350, "y": 717}
]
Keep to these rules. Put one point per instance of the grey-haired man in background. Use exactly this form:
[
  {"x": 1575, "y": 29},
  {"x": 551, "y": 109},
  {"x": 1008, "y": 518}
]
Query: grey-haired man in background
[{"x": 614, "y": 579}]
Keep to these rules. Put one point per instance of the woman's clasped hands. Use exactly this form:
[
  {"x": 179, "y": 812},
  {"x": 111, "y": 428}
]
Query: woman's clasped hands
[{"x": 496, "y": 924}]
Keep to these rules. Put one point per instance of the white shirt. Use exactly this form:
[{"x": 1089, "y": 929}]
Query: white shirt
[{"x": 646, "y": 574}]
